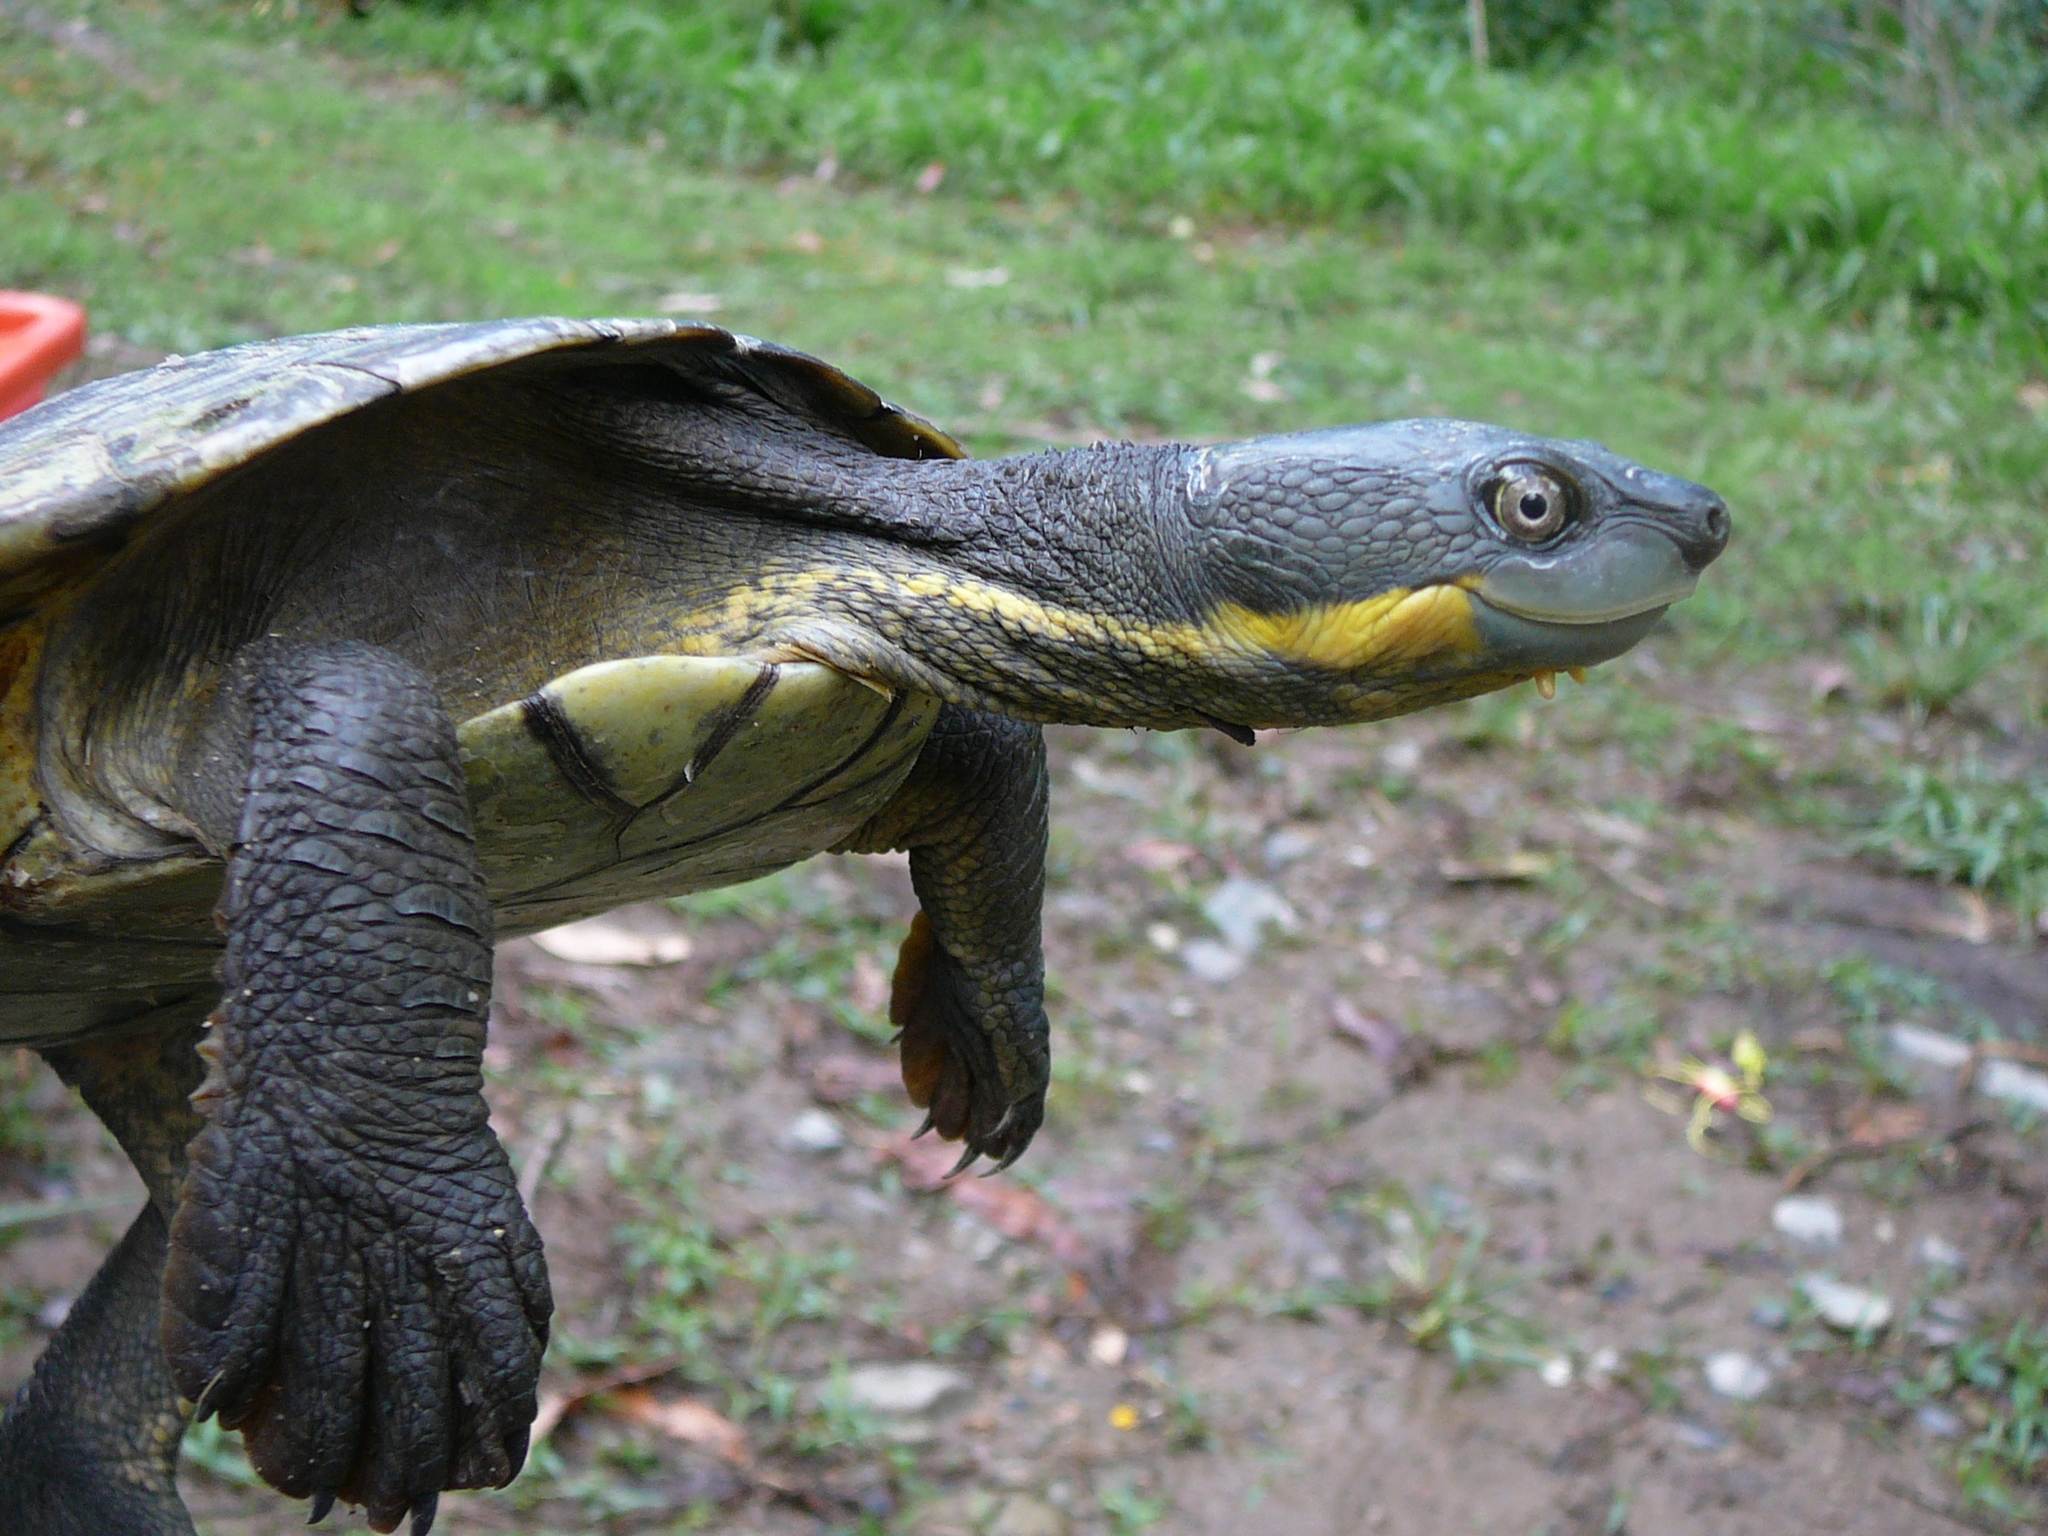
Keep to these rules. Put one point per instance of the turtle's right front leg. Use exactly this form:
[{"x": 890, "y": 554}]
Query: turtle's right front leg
[{"x": 352, "y": 1279}]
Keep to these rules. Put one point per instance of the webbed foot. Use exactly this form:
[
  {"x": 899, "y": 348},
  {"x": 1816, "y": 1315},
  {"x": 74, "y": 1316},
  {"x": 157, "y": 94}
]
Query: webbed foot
[
  {"x": 353, "y": 1282},
  {"x": 965, "y": 1072}
]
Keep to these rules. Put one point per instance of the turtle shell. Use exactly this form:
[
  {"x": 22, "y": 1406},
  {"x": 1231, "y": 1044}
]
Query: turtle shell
[
  {"x": 634, "y": 777},
  {"x": 79, "y": 472}
]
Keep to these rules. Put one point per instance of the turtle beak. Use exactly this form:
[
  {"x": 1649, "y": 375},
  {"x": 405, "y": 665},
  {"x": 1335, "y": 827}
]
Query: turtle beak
[{"x": 1590, "y": 601}]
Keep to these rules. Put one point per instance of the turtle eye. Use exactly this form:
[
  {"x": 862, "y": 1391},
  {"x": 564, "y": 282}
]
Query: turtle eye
[{"x": 1530, "y": 504}]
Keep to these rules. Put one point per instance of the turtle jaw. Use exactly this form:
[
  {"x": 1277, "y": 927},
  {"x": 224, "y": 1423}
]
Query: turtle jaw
[{"x": 1580, "y": 605}]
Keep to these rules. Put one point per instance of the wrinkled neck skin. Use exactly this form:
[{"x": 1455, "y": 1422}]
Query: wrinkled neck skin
[{"x": 1111, "y": 586}]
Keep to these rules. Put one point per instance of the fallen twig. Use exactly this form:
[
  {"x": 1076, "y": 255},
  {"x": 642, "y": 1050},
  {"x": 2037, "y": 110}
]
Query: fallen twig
[
  {"x": 1969, "y": 1519},
  {"x": 1848, "y": 1152}
]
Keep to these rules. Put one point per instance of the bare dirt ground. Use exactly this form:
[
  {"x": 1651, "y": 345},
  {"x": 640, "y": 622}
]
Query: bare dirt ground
[{"x": 1284, "y": 1184}]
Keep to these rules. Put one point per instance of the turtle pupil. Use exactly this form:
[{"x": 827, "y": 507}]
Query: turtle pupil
[{"x": 1535, "y": 506}]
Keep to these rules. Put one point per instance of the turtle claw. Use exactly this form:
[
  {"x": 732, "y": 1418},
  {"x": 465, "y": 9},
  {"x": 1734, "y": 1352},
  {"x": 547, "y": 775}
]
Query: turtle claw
[
  {"x": 923, "y": 1129},
  {"x": 424, "y": 1509},
  {"x": 323, "y": 1503},
  {"x": 966, "y": 1161}
]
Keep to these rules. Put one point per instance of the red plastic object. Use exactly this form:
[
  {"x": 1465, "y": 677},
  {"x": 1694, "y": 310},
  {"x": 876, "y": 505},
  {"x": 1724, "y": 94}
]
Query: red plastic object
[{"x": 38, "y": 335}]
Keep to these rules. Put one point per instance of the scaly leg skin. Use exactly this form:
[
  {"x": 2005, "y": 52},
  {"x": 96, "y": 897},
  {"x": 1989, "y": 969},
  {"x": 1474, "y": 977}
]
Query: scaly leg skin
[
  {"x": 969, "y": 991},
  {"x": 90, "y": 1445},
  {"x": 353, "y": 1282}
]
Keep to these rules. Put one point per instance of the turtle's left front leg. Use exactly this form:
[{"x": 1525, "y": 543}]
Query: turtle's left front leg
[
  {"x": 969, "y": 993},
  {"x": 352, "y": 1279}
]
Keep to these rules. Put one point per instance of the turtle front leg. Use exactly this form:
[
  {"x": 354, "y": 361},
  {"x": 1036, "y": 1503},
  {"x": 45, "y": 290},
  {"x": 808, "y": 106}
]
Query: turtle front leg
[
  {"x": 969, "y": 992},
  {"x": 352, "y": 1281}
]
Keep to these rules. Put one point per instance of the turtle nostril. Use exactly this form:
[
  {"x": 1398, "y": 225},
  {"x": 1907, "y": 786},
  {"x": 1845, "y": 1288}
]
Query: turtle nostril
[{"x": 1717, "y": 525}]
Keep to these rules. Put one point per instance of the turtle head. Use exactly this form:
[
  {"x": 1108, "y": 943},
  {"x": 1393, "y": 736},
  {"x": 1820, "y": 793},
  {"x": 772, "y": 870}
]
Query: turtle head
[{"x": 1366, "y": 571}]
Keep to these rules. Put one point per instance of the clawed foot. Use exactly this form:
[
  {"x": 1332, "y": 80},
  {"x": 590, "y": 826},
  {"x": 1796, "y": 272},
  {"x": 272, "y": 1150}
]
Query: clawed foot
[
  {"x": 371, "y": 1316},
  {"x": 978, "y": 1083}
]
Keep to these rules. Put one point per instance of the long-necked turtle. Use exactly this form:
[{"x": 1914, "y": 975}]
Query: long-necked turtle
[{"x": 324, "y": 660}]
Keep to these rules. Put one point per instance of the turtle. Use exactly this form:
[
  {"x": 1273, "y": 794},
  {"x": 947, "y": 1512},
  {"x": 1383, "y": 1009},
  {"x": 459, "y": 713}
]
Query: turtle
[{"x": 328, "y": 661}]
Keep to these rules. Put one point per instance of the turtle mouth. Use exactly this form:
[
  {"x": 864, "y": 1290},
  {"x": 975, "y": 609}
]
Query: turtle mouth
[{"x": 1580, "y": 605}]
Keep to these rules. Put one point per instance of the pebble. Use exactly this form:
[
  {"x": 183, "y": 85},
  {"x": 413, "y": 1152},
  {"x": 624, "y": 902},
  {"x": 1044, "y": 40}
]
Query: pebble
[
  {"x": 1022, "y": 1515},
  {"x": 1936, "y": 1252},
  {"x": 1519, "y": 1179},
  {"x": 1287, "y": 845},
  {"x": 2015, "y": 1084},
  {"x": 1945, "y": 1322},
  {"x": 1555, "y": 1372},
  {"x": 1109, "y": 1345},
  {"x": 1938, "y": 1421},
  {"x": 1847, "y": 1307},
  {"x": 51, "y": 1314},
  {"x": 1731, "y": 1373},
  {"x": 1212, "y": 962},
  {"x": 1242, "y": 910},
  {"x": 912, "y": 1387},
  {"x": 814, "y": 1131},
  {"x": 606, "y": 941},
  {"x": 1804, "y": 1219},
  {"x": 1930, "y": 1047},
  {"x": 1773, "y": 1315},
  {"x": 1698, "y": 1436}
]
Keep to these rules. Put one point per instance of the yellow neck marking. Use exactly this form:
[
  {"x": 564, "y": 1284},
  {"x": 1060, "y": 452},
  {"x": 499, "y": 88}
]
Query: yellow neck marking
[
  {"x": 1384, "y": 633},
  {"x": 1387, "y": 633}
]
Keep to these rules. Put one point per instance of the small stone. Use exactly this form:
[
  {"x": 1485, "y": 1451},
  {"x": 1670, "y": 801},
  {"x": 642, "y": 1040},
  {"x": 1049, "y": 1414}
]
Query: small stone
[
  {"x": 1731, "y": 1373},
  {"x": 1937, "y": 1252},
  {"x": 1212, "y": 962},
  {"x": 1163, "y": 937},
  {"x": 1938, "y": 1421},
  {"x": 1945, "y": 1322},
  {"x": 1698, "y": 1437},
  {"x": 1242, "y": 910},
  {"x": 1929, "y": 1047},
  {"x": 51, "y": 1314},
  {"x": 1022, "y": 1515},
  {"x": 2015, "y": 1084},
  {"x": 814, "y": 1131},
  {"x": 1603, "y": 1363},
  {"x": 1109, "y": 1345},
  {"x": 1287, "y": 845},
  {"x": 1772, "y": 1315},
  {"x": 1849, "y": 1308},
  {"x": 1519, "y": 1179},
  {"x": 608, "y": 941},
  {"x": 913, "y": 1387},
  {"x": 1804, "y": 1219},
  {"x": 1555, "y": 1372}
]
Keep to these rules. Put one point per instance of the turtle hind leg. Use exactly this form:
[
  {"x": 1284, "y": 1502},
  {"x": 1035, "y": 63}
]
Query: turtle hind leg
[
  {"x": 90, "y": 1445},
  {"x": 969, "y": 991}
]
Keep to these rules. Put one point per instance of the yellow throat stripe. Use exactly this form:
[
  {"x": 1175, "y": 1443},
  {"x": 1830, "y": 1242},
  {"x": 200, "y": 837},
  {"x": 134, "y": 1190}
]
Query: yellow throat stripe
[
  {"x": 1387, "y": 633},
  {"x": 1384, "y": 633}
]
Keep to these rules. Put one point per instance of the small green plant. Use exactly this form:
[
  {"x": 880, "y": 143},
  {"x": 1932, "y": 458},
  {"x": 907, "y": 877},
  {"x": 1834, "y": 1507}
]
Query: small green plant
[
  {"x": 2001, "y": 1382},
  {"x": 1128, "y": 1511},
  {"x": 1925, "y": 656},
  {"x": 1437, "y": 1286},
  {"x": 218, "y": 1453},
  {"x": 1980, "y": 831},
  {"x": 1601, "y": 1039}
]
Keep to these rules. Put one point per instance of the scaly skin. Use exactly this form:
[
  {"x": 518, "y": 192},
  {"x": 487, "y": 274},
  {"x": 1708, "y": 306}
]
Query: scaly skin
[{"x": 268, "y": 670}]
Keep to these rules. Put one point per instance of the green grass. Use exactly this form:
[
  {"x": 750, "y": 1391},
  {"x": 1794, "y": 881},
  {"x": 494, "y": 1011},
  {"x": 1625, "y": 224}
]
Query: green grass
[
  {"x": 2000, "y": 1383},
  {"x": 1728, "y": 128},
  {"x": 1971, "y": 828}
]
